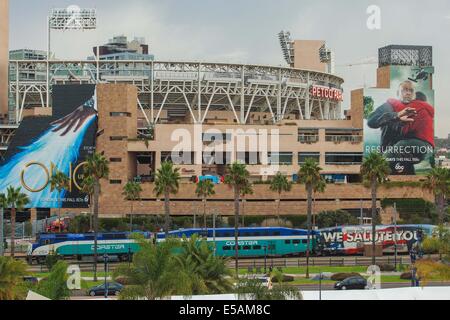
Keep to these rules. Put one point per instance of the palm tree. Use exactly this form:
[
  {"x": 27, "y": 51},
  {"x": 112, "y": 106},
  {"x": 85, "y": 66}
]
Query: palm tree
[
  {"x": 280, "y": 184},
  {"x": 154, "y": 273},
  {"x": 96, "y": 169},
  {"x": 11, "y": 276},
  {"x": 238, "y": 179},
  {"x": 438, "y": 182},
  {"x": 374, "y": 170},
  {"x": 60, "y": 182},
  {"x": 204, "y": 190},
  {"x": 132, "y": 192},
  {"x": 247, "y": 190},
  {"x": 167, "y": 182},
  {"x": 15, "y": 200},
  {"x": 87, "y": 187},
  {"x": 319, "y": 188},
  {"x": 309, "y": 175},
  {"x": 209, "y": 273}
]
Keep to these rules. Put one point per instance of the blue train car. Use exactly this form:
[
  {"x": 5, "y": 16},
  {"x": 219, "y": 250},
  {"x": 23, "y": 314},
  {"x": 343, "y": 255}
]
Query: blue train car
[
  {"x": 253, "y": 242},
  {"x": 79, "y": 245}
]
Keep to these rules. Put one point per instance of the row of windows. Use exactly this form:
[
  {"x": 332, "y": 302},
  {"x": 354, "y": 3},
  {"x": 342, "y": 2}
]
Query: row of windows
[{"x": 257, "y": 247}]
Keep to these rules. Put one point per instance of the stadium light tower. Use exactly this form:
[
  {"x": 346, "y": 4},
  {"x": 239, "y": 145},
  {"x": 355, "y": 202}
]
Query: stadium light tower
[
  {"x": 326, "y": 55},
  {"x": 71, "y": 18},
  {"x": 287, "y": 47}
]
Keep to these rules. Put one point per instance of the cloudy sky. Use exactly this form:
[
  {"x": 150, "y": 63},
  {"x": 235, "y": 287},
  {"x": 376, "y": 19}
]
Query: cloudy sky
[{"x": 245, "y": 31}]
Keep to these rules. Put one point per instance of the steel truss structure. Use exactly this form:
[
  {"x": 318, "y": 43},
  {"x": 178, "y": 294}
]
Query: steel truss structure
[{"x": 184, "y": 88}]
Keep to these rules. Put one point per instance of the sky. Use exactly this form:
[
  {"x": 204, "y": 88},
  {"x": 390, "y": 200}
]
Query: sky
[{"x": 245, "y": 31}]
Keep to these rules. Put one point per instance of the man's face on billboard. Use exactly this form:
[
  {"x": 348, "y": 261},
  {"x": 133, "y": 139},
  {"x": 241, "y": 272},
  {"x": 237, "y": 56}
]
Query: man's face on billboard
[{"x": 406, "y": 92}]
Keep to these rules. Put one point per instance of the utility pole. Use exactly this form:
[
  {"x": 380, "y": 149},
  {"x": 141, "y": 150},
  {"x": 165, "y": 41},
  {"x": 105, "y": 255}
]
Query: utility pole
[
  {"x": 395, "y": 235},
  {"x": 214, "y": 232}
]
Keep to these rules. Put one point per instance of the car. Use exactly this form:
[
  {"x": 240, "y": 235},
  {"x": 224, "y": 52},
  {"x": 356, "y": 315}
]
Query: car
[
  {"x": 352, "y": 283},
  {"x": 113, "y": 289},
  {"x": 31, "y": 280}
]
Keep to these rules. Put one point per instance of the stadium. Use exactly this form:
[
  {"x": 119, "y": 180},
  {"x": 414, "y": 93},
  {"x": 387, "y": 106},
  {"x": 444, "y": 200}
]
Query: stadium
[{"x": 272, "y": 118}]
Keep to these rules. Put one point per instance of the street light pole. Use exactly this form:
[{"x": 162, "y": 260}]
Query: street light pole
[
  {"x": 320, "y": 286},
  {"x": 395, "y": 236},
  {"x": 214, "y": 232},
  {"x": 265, "y": 259},
  {"x": 105, "y": 258}
]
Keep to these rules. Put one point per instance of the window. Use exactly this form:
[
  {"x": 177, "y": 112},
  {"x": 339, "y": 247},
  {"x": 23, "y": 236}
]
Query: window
[
  {"x": 118, "y": 138},
  {"x": 120, "y": 114},
  {"x": 115, "y": 181},
  {"x": 256, "y": 247},
  {"x": 287, "y": 241},
  {"x": 296, "y": 241},
  {"x": 343, "y": 158},
  {"x": 249, "y": 158},
  {"x": 115, "y": 159},
  {"x": 308, "y": 136},
  {"x": 305, "y": 241},
  {"x": 185, "y": 158},
  {"x": 302, "y": 156},
  {"x": 282, "y": 158},
  {"x": 247, "y": 247},
  {"x": 226, "y": 248},
  {"x": 277, "y": 233}
]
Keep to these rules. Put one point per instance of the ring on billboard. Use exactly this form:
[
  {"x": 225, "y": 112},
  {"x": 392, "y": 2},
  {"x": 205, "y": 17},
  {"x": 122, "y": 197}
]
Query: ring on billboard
[{"x": 22, "y": 180}]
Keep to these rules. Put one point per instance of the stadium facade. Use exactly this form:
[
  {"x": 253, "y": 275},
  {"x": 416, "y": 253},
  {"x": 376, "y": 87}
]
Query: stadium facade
[{"x": 201, "y": 116}]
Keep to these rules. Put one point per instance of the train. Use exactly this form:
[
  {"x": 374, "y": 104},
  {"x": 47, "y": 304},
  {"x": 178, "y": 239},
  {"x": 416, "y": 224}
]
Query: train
[
  {"x": 119, "y": 244},
  {"x": 252, "y": 243}
]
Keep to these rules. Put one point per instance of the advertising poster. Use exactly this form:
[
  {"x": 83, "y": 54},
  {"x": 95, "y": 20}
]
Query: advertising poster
[
  {"x": 399, "y": 122},
  {"x": 45, "y": 145}
]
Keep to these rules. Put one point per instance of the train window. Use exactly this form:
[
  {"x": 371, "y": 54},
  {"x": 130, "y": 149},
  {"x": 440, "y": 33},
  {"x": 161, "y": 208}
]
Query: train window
[
  {"x": 287, "y": 241},
  {"x": 272, "y": 247},
  {"x": 256, "y": 247},
  {"x": 305, "y": 241},
  {"x": 296, "y": 241},
  {"x": 226, "y": 248},
  {"x": 226, "y": 235},
  {"x": 277, "y": 233},
  {"x": 247, "y": 247}
]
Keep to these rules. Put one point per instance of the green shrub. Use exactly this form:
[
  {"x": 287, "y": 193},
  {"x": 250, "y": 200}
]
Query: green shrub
[
  {"x": 284, "y": 278},
  {"x": 406, "y": 276}
]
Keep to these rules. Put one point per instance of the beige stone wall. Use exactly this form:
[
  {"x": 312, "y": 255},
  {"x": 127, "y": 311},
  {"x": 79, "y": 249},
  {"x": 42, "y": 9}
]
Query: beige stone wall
[
  {"x": 384, "y": 77},
  {"x": 4, "y": 57},
  {"x": 306, "y": 54}
]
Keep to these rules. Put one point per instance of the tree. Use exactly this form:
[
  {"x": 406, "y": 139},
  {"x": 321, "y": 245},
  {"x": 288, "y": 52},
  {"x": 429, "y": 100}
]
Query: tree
[
  {"x": 167, "y": 182},
  {"x": 327, "y": 219},
  {"x": 54, "y": 286},
  {"x": 87, "y": 186},
  {"x": 132, "y": 192},
  {"x": 60, "y": 182},
  {"x": 204, "y": 190},
  {"x": 209, "y": 273},
  {"x": 238, "y": 179},
  {"x": 11, "y": 278},
  {"x": 374, "y": 170},
  {"x": 95, "y": 169},
  {"x": 280, "y": 184},
  {"x": 309, "y": 175},
  {"x": 438, "y": 182},
  {"x": 245, "y": 191},
  {"x": 154, "y": 273},
  {"x": 15, "y": 200}
]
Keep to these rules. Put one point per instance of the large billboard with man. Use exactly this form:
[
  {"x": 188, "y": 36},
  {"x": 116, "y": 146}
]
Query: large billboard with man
[{"x": 399, "y": 122}]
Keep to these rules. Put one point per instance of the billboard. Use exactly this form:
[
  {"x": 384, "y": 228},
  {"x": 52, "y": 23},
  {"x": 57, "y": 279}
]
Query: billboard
[
  {"x": 44, "y": 145},
  {"x": 399, "y": 122}
]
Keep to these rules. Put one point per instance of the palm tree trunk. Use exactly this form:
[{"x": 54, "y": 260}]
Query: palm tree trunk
[
  {"x": 131, "y": 218},
  {"x": 204, "y": 215},
  {"x": 441, "y": 208},
  {"x": 236, "y": 230},
  {"x": 308, "y": 243},
  {"x": 59, "y": 211},
  {"x": 374, "y": 212},
  {"x": 96, "y": 196},
  {"x": 167, "y": 213},
  {"x": 13, "y": 232},
  {"x": 278, "y": 208}
]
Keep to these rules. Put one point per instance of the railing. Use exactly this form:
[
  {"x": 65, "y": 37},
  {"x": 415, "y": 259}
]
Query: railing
[
  {"x": 340, "y": 139},
  {"x": 322, "y": 262},
  {"x": 308, "y": 138}
]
